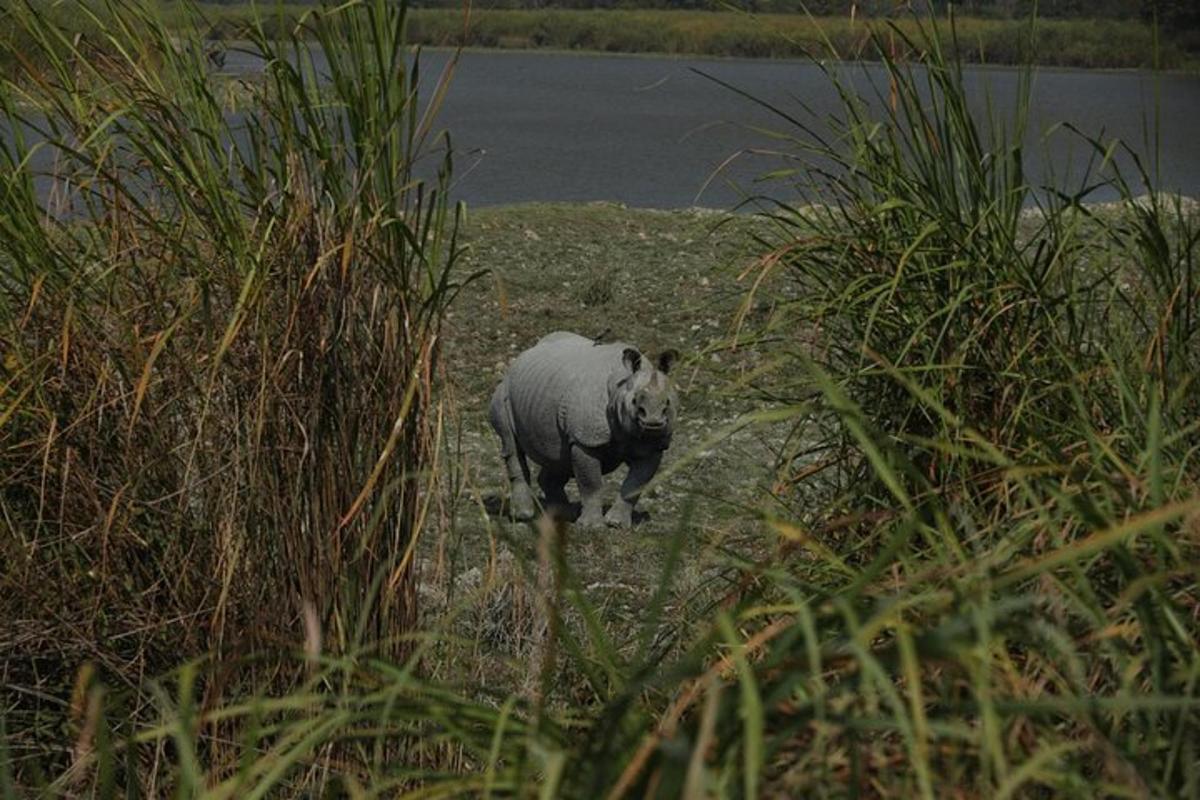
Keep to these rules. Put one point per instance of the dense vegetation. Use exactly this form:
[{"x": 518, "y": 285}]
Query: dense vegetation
[
  {"x": 1074, "y": 43},
  {"x": 1172, "y": 12},
  {"x": 1085, "y": 42},
  {"x": 1099, "y": 40},
  {"x": 1178, "y": 20},
  {"x": 217, "y": 361},
  {"x": 224, "y": 434}
]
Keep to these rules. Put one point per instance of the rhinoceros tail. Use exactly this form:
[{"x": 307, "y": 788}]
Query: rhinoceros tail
[{"x": 500, "y": 415}]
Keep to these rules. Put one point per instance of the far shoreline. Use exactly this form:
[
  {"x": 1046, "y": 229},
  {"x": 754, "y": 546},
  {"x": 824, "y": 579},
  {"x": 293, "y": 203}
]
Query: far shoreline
[
  {"x": 1074, "y": 44},
  {"x": 1184, "y": 72},
  {"x": 440, "y": 49}
]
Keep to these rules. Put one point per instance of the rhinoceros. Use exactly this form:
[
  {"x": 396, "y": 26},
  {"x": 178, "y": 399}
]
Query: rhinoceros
[{"x": 579, "y": 409}]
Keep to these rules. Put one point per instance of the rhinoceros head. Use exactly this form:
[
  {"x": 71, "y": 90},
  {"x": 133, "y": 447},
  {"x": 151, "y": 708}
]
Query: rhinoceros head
[{"x": 644, "y": 402}]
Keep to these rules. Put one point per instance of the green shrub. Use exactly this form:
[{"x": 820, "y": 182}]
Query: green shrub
[{"x": 992, "y": 474}]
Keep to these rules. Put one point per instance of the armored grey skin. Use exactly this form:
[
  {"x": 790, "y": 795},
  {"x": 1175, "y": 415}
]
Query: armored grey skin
[{"x": 579, "y": 410}]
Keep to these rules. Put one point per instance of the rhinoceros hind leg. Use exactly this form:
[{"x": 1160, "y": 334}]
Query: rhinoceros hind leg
[{"x": 516, "y": 467}]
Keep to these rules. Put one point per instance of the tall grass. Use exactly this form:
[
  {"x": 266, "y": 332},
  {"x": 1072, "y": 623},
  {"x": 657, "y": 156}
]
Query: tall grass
[
  {"x": 992, "y": 487},
  {"x": 220, "y": 335}
]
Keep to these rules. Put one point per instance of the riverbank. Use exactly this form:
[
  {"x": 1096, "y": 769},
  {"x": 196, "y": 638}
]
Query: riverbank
[
  {"x": 1088, "y": 43},
  {"x": 1077, "y": 43}
]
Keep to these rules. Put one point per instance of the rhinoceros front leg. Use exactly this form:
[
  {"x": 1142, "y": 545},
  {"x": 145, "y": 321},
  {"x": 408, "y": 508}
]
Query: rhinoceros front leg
[
  {"x": 640, "y": 473},
  {"x": 516, "y": 468},
  {"x": 589, "y": 475},
  {"x": 552, "y": 480}
]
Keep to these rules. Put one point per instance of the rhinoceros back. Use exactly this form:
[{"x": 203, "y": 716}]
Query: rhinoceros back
[{"x": 558, "y": 392}]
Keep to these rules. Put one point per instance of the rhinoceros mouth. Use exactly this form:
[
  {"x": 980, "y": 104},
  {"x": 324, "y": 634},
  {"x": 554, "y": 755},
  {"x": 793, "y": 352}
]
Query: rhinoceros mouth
[{"x": 653, "y": 427}]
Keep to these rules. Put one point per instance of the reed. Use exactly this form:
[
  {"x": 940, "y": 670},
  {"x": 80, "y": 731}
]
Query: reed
[
  {"x": 991, "y": 492},
  {"x": 220, "y": 336}
]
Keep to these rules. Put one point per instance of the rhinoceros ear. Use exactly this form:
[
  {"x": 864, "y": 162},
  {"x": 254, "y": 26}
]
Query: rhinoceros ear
[
  {"x": 666, "y": 359},
  {"x": 632, "y": 359}
]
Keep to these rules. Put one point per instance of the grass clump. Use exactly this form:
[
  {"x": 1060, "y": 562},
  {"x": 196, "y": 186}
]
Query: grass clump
[
  {"x": 219, "y": 339},
  {"x": 599, "y": 289},
  {"x": 991, "y": 485}
]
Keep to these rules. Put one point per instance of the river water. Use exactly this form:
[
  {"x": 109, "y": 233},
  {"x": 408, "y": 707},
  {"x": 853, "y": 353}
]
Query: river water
[{"x": 656, "y": 132}]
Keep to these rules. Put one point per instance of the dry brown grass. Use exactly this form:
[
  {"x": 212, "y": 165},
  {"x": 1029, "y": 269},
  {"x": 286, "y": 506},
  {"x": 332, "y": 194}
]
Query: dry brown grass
[{"x": 218, "y": 368}]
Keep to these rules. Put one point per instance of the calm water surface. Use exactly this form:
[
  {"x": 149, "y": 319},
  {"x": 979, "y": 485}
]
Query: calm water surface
[{"x": 653, "y": 132}]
